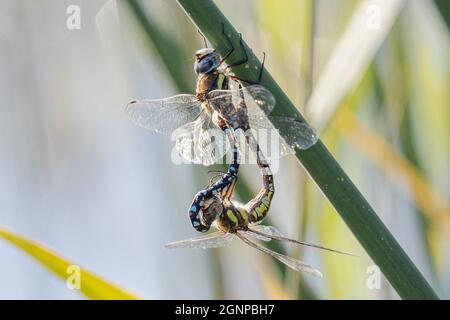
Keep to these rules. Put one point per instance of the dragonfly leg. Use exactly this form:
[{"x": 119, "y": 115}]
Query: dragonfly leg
[
  {"x": 231, "y": 189},
  {"x": 227, "y": 192},
  {"x": 230, "y": 43},
  {"x": 239, "y": 62},
  {"x": 214, "y": 178},
  {"x": 261, "y": 70},
  {"x": 204, "y": 38}
]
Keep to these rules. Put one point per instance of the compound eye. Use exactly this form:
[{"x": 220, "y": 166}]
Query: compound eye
[{"x": 202, "y": 66}]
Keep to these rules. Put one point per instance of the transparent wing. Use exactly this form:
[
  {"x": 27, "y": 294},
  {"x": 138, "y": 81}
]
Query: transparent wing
[
  {"x": 296, "y": 133},
  {"x": 267, "y": 233},
  {"x": 164, "y": 115},
  {"x": 212, "y": 240},
  {"x": 254, "y": 94},
  {"x": 259, "y": 103},
  {"x": 200, "y": 141},
  {"x": 293, "y": 263},
  {"x": 257, "y": 236},
  {"x": 269, "y": 140},
  {"x": 261, "y": 228}
]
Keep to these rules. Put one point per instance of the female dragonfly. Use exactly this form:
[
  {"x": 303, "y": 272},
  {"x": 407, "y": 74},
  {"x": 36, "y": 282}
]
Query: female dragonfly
[
  {"x": 193, "y": 118},
  {"x": 243, "y": 221}
]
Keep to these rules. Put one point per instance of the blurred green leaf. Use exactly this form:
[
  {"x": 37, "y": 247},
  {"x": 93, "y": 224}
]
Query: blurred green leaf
[{"x": 170, "y": 52}]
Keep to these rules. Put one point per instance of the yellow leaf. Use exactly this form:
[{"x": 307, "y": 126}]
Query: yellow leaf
[{"x": 91, "y": 285}]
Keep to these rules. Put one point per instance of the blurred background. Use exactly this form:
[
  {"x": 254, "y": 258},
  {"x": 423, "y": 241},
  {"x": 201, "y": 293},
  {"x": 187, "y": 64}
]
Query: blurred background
[{"x": 372, "y": 77}]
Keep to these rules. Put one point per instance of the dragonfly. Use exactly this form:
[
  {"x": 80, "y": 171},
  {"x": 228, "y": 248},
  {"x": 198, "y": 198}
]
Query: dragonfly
[{"x": 199, "y": 122}]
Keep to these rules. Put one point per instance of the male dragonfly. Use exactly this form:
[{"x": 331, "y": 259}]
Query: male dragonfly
[{"x": 194, "y": 120}]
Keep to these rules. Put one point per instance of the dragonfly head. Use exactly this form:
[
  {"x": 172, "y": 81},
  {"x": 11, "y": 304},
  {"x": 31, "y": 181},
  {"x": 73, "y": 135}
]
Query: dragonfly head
[
  {"x": 211, "y": 210},
  {"x": 206, "y": 60}
]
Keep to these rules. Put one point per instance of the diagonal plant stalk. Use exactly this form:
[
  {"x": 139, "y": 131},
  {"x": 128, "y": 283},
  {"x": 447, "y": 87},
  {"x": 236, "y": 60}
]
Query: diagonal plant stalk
[
  {"x": 362, "y": 220},
  {"x": 444, "y": 8}
]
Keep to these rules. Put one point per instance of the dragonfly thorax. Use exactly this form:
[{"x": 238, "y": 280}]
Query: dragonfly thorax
[
  {"x": 233, "y": 218},
  {"x": 208, "y": 82}
]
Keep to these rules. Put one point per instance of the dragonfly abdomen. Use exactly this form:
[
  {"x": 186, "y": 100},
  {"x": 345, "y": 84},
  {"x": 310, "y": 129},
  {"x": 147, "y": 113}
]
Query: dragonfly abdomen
[{"x": 259, "y": 206}]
